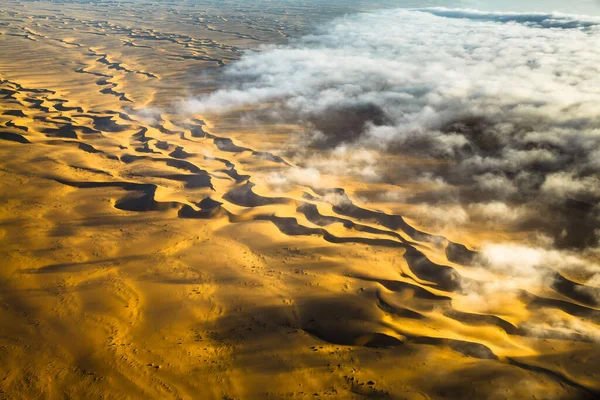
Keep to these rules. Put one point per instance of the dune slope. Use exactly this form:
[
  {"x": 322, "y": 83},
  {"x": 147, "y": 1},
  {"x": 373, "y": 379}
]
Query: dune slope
[{"x": 144, "y": 253}]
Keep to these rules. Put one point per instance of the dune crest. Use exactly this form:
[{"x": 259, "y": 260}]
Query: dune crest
[{"x": 150, "y": 253}]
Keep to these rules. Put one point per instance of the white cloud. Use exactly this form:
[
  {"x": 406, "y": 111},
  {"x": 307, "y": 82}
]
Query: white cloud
[
  {"x": 281, "y": 181},
  {"x": 496, "y": 212},
  {"x": 149, "y": 115},
  {"x": 564, "y": 184},
  {"x": 530, "y": 267},
  {"x": 509, "y": 100}
]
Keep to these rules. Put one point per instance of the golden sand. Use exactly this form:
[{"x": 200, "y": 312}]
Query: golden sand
[{"x": 148, "y": 256}]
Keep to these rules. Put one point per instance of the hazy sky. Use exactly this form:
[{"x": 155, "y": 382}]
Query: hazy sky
[{"x": 590, "y": 7}]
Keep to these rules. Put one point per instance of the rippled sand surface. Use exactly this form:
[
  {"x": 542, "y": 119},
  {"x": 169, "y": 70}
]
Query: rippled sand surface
[{"x": 143, "y": 253}]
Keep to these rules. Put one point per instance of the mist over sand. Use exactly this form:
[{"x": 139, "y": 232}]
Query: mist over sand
[
  {"x": 229, "y": 200},
  {"x": 506, "y": 101}
]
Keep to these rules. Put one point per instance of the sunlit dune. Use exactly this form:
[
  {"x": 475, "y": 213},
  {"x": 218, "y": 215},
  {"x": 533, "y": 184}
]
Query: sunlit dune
[{"x": 162, "y": 238}]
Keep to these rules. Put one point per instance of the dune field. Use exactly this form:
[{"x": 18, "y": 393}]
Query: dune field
[{"x": 152, "y": 248}]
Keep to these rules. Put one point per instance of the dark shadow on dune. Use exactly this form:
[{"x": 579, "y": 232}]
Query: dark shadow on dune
[
  {"x": 289, "y": 225},
  {"x": 209, "y": 208},
  {"x": 269, "y": 157},
  {"x": 142, "y": 198},
  {"x": 10, "y": 124},
  {"x": 65, "y": 131},
  {"x": 474, "y": 381},
  {"x": 346, "y": 320},
  {"x": 180, "y": 153},
  {"x": 93, "y": 170},
  {"x": 227, "y": 163},
  {"x": 458, "y": 253},
  {"x": 233, "y": 174},
  {"x": 227, "y": 145},
  {"x": 444, "y": 277},
  {"x": 166, "y": 131},
  {"x": 107, "y": 124},
  {"x": 399, "y": 286},
  {"x": 180, "y": 164},
  {"x": 171, "y": 162},
  {"x": 88, "y": 148},
  {"x": 312, "y": 214},
  {"x": 146, "y": 149},
  {"x": 60, "y": 107},
  {"x": 471, "y": 349},
  {"x": 581, "y": 293},
  {"x": 356, "y": 321},
  {"x": 80, "y": 145},
  {"x": 162, "y": 145},
  {"x": 482, "y": 319},
  {"x": 441, "y": 276},
  {"x": 14, "y": 113},
  {"x": 366, "y": 241},
  {"x": 245, "y": 197},
  {"x": 140, "y": 135},
  {"x": 120, "y": 95},
  {"x": 13, "y": 137},
  {"x": 196, "y": 181},
  {"x": 583, "y": 392},
  {"x": 536, "y": 302},
  {"x": 80, "y": 266},
  {"x": 37, "y": 104},
  {"x": 130, "y": 158},
  {"x": 188, "y": 212},
  {"x": 144, "y": 201},
  {"x": 398, "y": 311},
  {"x": 344, "y": 206},
  {"x": 197, "y": 132}
]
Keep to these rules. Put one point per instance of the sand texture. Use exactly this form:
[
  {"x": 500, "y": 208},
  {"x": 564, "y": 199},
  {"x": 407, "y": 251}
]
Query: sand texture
[{"x": 146, "y": 255}]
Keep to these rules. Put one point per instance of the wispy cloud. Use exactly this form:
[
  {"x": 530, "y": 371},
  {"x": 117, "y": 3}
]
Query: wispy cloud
[{"x": 510, "y": 101}]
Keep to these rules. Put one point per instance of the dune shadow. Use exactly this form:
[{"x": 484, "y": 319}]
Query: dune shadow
[{"x": 80, "y": 266}]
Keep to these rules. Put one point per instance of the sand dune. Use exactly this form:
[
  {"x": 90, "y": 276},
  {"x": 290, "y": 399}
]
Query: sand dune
[{"x": 145, "y": 254}]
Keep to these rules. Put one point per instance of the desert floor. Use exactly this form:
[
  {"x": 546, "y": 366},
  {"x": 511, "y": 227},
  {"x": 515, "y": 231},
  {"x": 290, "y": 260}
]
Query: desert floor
[{"x": 144, "y": 254}]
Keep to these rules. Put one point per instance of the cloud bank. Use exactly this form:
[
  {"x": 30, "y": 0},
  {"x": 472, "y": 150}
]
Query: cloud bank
[{"x": 509, "y": 101}]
